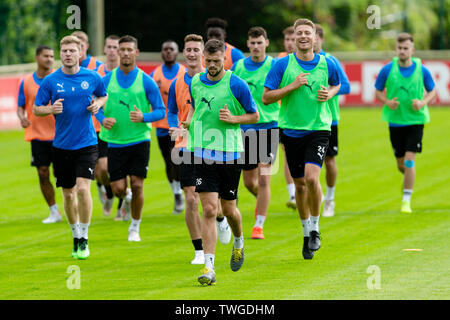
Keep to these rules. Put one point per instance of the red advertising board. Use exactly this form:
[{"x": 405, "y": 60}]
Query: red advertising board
[{"x": 361, "y": 74}]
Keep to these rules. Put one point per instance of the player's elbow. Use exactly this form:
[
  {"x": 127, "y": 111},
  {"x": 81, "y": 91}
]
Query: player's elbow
[{"x": 255, "y": 117}]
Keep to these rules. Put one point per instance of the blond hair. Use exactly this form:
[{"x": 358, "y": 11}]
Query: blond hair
[
  {"x": 81, "y": 35},
  {"x": 69, "y": 40},
  {"x": 307, "y": 22}
]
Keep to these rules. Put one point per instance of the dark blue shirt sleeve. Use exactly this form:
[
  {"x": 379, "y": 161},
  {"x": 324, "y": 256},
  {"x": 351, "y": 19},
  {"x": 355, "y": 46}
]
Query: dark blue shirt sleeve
[
  {"x": 382, "y": 77},
  {"x": 21, "y": 98},
  {"x": 333, "y": 77},
  {"x": 427, "y": 79},
  {"x": 275, "y": 75},
  {"x": 100, "y": 89},
  {"x": 100, "y": 116},
  {"x": 345, "y": 84},
  {"x": 155, "y": 99},
  {"x": 43, "y": 96},
  {"x": 172, "y": 114},
  {"x": 241, "y": 91}
]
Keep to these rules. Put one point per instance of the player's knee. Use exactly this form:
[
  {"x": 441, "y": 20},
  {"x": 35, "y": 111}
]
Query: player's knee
[
  {"x": 191, "y": 199},
  {"x": 250, "y": 184},
  {"x": 311, "y": 180},
  {"x": 44, "y": 173},
  {"x": 69, "y": 195},
  {"x": 210, "y": 210},
  {"x": 409, "y": 164}
]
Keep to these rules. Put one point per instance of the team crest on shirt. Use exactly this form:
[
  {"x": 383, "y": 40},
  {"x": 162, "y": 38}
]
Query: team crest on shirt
[{"x": 85, "y": 85}]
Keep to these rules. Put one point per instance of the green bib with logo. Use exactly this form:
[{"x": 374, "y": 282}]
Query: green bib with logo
[
  {"x": 255, "y": 80},
  {"x": 300, "y": 109},
  {"x": 119, "y": 104},
  {"x": 405, "y": 89},
  {"x": 207, "y": 131}
]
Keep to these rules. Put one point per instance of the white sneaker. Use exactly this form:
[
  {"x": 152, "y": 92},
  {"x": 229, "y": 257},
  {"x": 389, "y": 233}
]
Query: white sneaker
[
  {"x": 52, "y": 218},
  {"x": 126, "y": 206},
  {"x": 199, "y": 257},
  {"x": 223, "y": 231},
  {"x": 328, "y": 208},
  {"x": 107, "y": 206},
  {"x": 133, "y": 236},
  {"x": 101, "y": 194},
  {"x": 291, "y": 203}
]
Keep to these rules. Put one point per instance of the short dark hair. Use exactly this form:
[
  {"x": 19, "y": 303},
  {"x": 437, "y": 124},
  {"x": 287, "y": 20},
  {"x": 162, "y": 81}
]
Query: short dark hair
[
  {"x": 288, "y": 30},
  {"x": 128, "y": 38},
  {"x": 256, "y": 32},
  {"x": 112, "y": 37},
  {"x": 319, "y": 30},
  {"x": 216, "y": 23},
  {"x": 41, "y": 48},
  {"x": 404, "y": 37},
  {"x": 214, "y": 45}
]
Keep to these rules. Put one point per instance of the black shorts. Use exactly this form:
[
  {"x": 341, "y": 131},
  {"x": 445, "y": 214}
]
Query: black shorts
[
  {"x": 128, "y": 161},
  {"x": 187, "y": 169},
  {"x": 71, "y": 164},
  {"x": 41, "y": 153},
  {"x": 222, "y": 178},
  {"x": 308, "y": 149},
  {"x": 332, "y": 149},
  {"x": 408, "y": 138},
  {"x": 102, "y": 147},
  {"x": 260, "y": 146}
]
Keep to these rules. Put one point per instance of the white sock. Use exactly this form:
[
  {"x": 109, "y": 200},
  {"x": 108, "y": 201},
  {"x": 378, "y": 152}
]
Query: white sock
[
  {"x": 75, "y": 230},
  {"x": 209, "y": 261},
  {"x": 54, "y": 209},
  {"x": 260, "y": 221},
  {"x": 315, "y": 223},
  {"x": 134, "y": 225},
  {"x": 306, "y": 224},
  {"x": 407, "y": 193},
  {"x": 84, "y": 228},
  {"x": 291, "y": 190},
  {"x": 330, "y": 193},
  {"x": 176, "y": 187},
  {"x": 238, "y": 243}
]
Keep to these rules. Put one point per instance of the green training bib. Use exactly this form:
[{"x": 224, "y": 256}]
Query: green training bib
[
  {"x": 405, "y": 89},
  {"x": 206, "y": 130},
  {"x": 119, "y": 104},
  {"x": 255, "y": 80},
  {"x": 300, "y": 109}
]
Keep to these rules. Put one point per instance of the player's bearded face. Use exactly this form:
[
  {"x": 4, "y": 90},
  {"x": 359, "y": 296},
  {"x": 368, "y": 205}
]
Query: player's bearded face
[
  {"x": 127, "y": 53},
  {"x": 214, "y": 63},
  {"x": 405, "y": 50}
]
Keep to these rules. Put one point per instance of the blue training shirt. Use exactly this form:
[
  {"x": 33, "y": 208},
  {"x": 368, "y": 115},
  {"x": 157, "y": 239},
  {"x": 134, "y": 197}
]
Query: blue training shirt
[
  {"x": 251, "y": 65},
  {"x": 241, "y": 91},
  {"x": 151, "y": 91},
  {"x": 275, "y": 75},
  {"x": 86, "y": 61},
  {"x": 74, "y": 128}
]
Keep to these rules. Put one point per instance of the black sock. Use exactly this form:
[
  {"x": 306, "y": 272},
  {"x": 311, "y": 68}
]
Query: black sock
[
  {"x": 109, "y": 192},
  {"x": 220, "y": 219},
  {"x": 120, "y": 203},
  {"x": 197, "y": 244},
  {"x": 99, "y": 184}
]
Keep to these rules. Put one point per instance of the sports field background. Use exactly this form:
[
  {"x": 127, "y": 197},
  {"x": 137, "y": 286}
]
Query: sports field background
[{"x": 367, "y": 230}]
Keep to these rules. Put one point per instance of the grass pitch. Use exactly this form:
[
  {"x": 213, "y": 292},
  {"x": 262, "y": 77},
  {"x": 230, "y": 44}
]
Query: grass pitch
[{"x": 368, "y": 230}]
